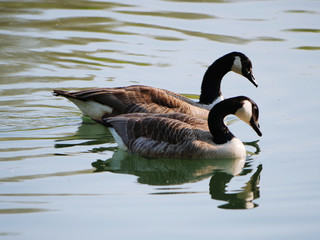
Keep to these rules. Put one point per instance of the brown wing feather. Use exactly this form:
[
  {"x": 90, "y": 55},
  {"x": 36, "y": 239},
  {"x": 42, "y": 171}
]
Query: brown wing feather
[
  {"x": 138, "y": 99},
  {"x": 160, "y": 135}
]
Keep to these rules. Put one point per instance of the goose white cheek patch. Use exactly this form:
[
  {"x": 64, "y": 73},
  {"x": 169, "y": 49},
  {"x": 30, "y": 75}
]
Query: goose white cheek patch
[
  {"x": 245, "y": 113},
  {"x": 237, "y": 65}
]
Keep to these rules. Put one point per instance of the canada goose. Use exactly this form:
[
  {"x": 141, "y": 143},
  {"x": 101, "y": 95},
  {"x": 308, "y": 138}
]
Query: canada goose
[
  {"x": 178, "y": 135},
  {"x": 101, "y": 102}
]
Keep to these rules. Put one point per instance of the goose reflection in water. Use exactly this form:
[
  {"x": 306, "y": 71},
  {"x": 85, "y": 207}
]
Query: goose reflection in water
[
  {"x": 165, "y": 172},
  {"x": 89, "y": 133},
  {"x": 242, "y": 199}
]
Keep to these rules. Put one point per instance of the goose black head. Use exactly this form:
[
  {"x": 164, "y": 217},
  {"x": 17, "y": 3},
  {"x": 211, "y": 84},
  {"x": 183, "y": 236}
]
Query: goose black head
[
  {"x": 243, "y": 66},
  {"x": 248, "y": 112}
]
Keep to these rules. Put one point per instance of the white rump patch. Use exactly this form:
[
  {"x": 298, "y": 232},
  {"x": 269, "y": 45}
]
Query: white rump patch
[
  {"x": 117, "y": 138},
  {"x": 91, "y": 108},
  {"x": 245, "y": 113},
  {"x": 237, "y": 65}
]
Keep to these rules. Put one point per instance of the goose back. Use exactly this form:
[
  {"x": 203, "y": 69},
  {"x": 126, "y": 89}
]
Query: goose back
[
  {"x": 169, "y": 136},
  {"x": 101, "y": 102}
]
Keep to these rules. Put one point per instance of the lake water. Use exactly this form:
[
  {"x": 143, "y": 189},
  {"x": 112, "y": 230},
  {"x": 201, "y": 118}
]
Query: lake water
[{"x": 62, "y": 176}]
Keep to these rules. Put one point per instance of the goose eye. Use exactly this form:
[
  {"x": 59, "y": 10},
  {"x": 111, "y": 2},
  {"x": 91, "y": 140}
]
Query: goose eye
[{"x": 256, "y": 112}]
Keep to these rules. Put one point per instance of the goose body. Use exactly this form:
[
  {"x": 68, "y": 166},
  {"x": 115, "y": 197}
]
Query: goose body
[
  {"x": 177, "y": 135},
  {"x": 101, "y": 102}
]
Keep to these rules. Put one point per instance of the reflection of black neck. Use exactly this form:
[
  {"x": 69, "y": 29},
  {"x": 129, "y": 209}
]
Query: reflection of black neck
[
  {"x": 218, "y": 184},
  {"x": 239, "y": 200},
  {"x": 211, "y": 83}
]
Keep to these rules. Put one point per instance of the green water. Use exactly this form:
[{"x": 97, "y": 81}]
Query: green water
[{"x": 62, "y": 175}]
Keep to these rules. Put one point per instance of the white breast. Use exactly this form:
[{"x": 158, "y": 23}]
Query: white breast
[{"x": 231, "y": 149}]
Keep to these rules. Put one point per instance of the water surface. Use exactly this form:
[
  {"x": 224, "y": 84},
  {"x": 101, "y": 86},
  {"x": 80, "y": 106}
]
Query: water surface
[{"x": 62, "y": 175}]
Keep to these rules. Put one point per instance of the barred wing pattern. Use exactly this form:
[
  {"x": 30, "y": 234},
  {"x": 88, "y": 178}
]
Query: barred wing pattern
[
  {"x": 133, "y": 99},
  {"x": 164, "y": 135}
]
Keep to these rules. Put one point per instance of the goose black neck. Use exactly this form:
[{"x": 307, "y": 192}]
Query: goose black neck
[
  {"x": 211, "y": 83},
  {"x": 220, "y": 132}
]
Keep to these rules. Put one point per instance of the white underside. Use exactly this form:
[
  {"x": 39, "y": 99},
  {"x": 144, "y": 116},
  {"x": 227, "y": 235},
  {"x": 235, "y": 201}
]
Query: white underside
[
  {"x": 232, "y": 149},
  {"x": 118, "y": 139},
  {"x": 91, "y": 108}
]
